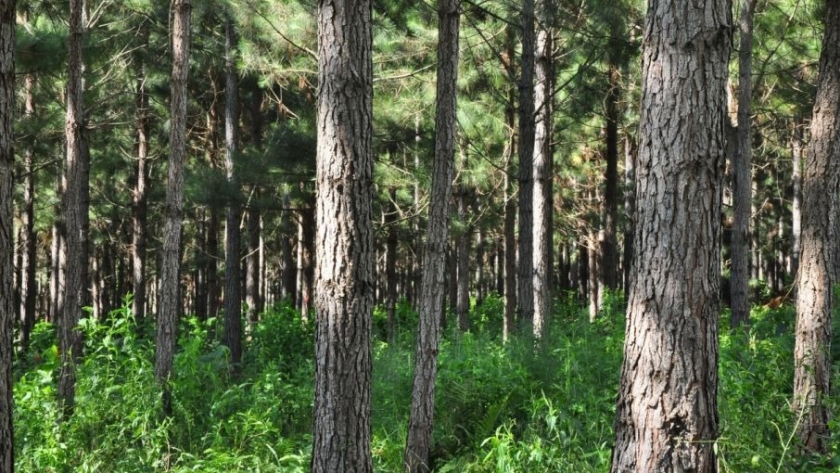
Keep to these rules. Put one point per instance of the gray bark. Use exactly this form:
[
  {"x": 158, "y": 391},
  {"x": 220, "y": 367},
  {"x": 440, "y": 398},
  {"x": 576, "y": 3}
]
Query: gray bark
[
  {"x": 170, "y": 302},
  {"x": 815, "y": 301},
  {"x": 28, "y": 243},
  {"x": 139, "y": 195},
  {"x": 344, "y": 251},
  {"x": 421, "y": 420},
  {"x": 76, "y": 223},
  {"x": 666, "y": 416},
  {"x": 741, "y": 175},
  {"x": 7, "y": 170},
  {"x": 527, "y": 126}
]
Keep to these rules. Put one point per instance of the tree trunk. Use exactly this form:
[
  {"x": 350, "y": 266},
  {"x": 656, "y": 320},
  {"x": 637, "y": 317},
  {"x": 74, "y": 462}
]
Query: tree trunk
[
  {"x": 391, "y": 265},
  {"x": 344, "y": 251},
  {"x": 76, "y": 220},
  {"x": 527, "y": 126},
  {"x": 29, "y": 264},
  {"x": 741, "y": 178},
  {"x": 796, "y": 207},
  {"x": 211, "y": 255},
  {"x": 462, "y": 242},
  {"x": 232, "y": 334},
  {"x": 629, "y": 209},
  {"x": 253, "y": 296},
  {"x": 815, "y": 301},
  {"x": 609, "y": 244},
  {"x": 666, "y": 416},
  {"x": 288, "y": 271},
  {"x": 421, "y": 420},
  {"x": 139, "y": 195},
  {"x": 305, "y": 264},
  {"x": 7, "y": 171},
  {"x": 542, "y": 199},
  {"x": 170, "y": 302}
]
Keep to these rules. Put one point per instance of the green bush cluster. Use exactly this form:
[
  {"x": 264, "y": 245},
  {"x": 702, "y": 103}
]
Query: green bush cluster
[{"x": 525, "y": 405}]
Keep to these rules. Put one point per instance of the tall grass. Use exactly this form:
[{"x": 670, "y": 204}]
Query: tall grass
[{"x": 524, "y": 406}]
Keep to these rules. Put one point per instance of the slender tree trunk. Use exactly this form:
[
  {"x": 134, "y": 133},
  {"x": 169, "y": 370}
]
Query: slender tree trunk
[
  {"x": 344, "y": 251},
  {"x": 305, "y": 263},
  {"x": 666, "y": 415},
  {"x": 542, "y": 200},
  {"x": 391, "y": 265},
  {"x": 815, "y": 301},
  {"x": 741, "y": 179},
  {"x": 170, "y": 302},
  {"x": 139, "y": 195},
  {"x": 211, "y": 255},
  {"x": 527, "y": 126},
  {"x": 510, "y": 251},
  {"x": 796, "y": 207},
  {"x": 253, "y": 296},
  {"x": 29, "y": 264},
  {"x": 609, "y": 271},
  {"x": 76, "y": 203},
  {"x": 421, "y": 420},
  {"x": 7, "y": 171},
  {"x": 629, "y": 209},
  {"x": 232, "y": 334},
  {"x": 288, "y": 271},
  {"x": 462, "y": 242}
]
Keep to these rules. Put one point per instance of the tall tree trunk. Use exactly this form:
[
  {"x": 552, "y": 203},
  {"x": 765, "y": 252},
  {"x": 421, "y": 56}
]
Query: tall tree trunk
[
  {"x": 542, "y": 199},
  {"x": 421, "y": 420},
  {"x": 170, "y": 302},
  {"x": 815, "y": 301},
  {"x": 344, "y": 251},
  {"x": 232, "y": 334},
  {"x": 391, "y": 264},
  {"x": 629, "y": 209},
  {"x": 462, "y": 242},
  {"x": 253, "y": 296},
  {"x": 666, "y": 416},
  {"x": 139, "y": 195},
  {"x": 510, "y": 247},
  {"x": 29, "y": 264},
  {"x": 288, "y": 271},
  {"x": 609, "y": 272},
  {"x": 305, "y": 263},
  {"x": 7, "y": 171},
  {"x": 796, "y": 207},
  {"x": 211, "y": 255},
  {"x": 741, "y": 178},
  {"x": 527, "y": 126},
  {"x": 76, "y": 203}
]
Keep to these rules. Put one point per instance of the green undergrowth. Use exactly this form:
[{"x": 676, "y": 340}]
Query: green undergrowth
[{"x": 520, "y": 406}]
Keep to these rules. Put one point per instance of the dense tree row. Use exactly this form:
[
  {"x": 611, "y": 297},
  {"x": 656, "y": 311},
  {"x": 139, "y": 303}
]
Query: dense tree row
[{"x": 217, "y": 158}]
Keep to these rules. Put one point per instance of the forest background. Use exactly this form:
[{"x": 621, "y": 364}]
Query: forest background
[{"x": 241, "y": 398}]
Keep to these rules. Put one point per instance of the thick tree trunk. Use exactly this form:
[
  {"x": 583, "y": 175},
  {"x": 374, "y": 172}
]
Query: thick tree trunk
[
  {"x": 76, "y": 220},
  {"x": 815, "y": 301},
  {"x": 741, "y": 176},
  {"x": 170, "y": 302},
  {"x": 232, "y": 334},
  {"x": 542, "y": 236},
  {"x": 29, "y": 262},
  {"x": 7, "y": 171},
  {"x": 139, "y": 195},
  {"x": 344, "y": 251},
  {"x": 421, "y": 420},
  {"x": 527, "y": 126},
  {"x": 666, "y": 416}
]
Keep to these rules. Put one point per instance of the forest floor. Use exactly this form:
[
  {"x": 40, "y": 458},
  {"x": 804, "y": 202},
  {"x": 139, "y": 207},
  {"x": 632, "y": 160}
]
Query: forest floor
[{"x": 500, "y": 407}]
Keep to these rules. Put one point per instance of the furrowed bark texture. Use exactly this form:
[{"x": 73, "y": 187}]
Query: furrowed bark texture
[
  {"x": 526, "y": 165},
  {"x": 666, "y": 417},
  {"x": 344, "y": 252},
  {"x": 76, "y": 223},
  {"x": 741, "y": 175},
  {"x": 543, "y": 203},
  {"x": 232, "y": 336},
  {"x": 814, "y": 303},
  {"x": 421, "y": 420},
  {"x": 7, "y": 169},
  {"x": 170, "y": 303}
]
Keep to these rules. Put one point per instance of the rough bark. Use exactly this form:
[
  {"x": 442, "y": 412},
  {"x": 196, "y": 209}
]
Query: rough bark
[
  {"x": 421, "y": 420},
  {"x": 170, "y": 302},
  {"x": 7, "y": 169},
  {"x": 741, "y": 176},
  {"x": 815, "y": 301},
  {"x": 666, "y": 416},
  {"x": 76, "y": 220},
  {"x": 543, "y": 205},
  {"x": 344, "y": 251},
  {"x": 232, "y": 334},
  {"x": 29, "y": 262},
  {"x": 527, "y": 126}
]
